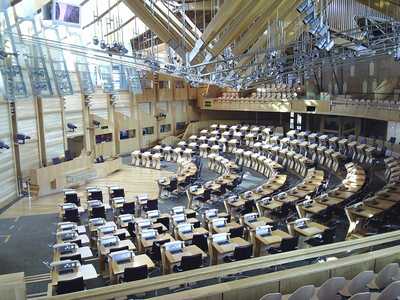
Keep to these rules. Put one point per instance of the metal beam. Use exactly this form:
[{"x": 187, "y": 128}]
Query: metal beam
[
  {"x": 228, "y": 10},
  {"x": 390, "y": 8},
  {"x": 121, "y": 26}
]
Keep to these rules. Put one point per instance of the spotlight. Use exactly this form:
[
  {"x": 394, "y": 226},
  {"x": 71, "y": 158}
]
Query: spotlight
[
  {"x": 21, "y": 138},
  {"x": 96, "y": 123},
  {"x": 71, "y": 127},
  {"x": 96, "y": 41},
  {"x": 103, "y": 45}
]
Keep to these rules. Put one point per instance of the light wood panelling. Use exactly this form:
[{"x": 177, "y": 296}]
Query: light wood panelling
[
  {"x": 8, "y": 190},
  {"x": 135, "y": 180},
  {"x": 98, "y": 105},
  {"x": 26, "y": 124}
]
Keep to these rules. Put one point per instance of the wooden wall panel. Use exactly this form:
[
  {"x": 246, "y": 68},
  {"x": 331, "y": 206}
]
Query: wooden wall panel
[
  {"x": 8, "y": 178},
  {"x": 98, "y": 105},
  {"x": 53, "y": 129},
  {"x": 26, "y": 124},
  {"x": 123, "y": 104},
  {"x": 74, "y": 114}
]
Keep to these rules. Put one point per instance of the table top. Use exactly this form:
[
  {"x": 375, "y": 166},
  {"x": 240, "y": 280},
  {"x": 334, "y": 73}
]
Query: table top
[
  {"x": 260, "y": 221},
  {"x": 312, "y": 229},
  {"x": 82, "y": 237},
  {"x": 365, "y": 211},
  {"x": 226, "y": 228},
  {"x": 341, "y": 194},
  {"x": 229, "y": 248},
  {"x": 330, "y": 201},
  {"x": 275, "y": 237},
  {"x": 272, "y": 205},
  {"x": 315, "y": 208},
  {"x": 189, "y": 236},
  {"x": 85, "y": 253},
  {"x": 298, "y": 193},
  {"x": 187, "y": 251},
  {"x": 106, "y": 250},
  {"x": 86, "y": 271},
  {"x": 159, "y": 237},
  {"x": 138, "y": 260},
  {"x": 288, "y": 199},
  {"x": 380, "y": 204}
]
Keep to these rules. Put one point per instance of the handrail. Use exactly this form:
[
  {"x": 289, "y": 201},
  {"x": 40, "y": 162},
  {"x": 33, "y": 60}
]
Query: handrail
[{"x": 165, "y": 281}]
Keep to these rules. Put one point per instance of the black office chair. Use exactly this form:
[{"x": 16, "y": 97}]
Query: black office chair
[
  {"x": 121, "y": 236},
  {"x": 131, "y": 230},
  {"x": 221, "y": 191},
  {"x": 151, "y": 205},
  {"x": 247, "y": 207},
  {"x": 77, "y": 257},
  {"x": 119, "y": 249},
  {"x": 286, "y": 245},
  {"x": 205, "y": 197},
  {"x": 327, "y": 237},
  {"x": 237, "y": 232},
  {"x": 155, "y": 253},
  {"x": 164, "y": 221},
  {"x": 135, "y": 273},
  {"x": 173, "y": 185},
  {"x": 77, "y": 242},
  {"x": 73, "y": 198},
  {"x": 99, "y": 212},
  {"x": 128, "y": 208},
  {"x": 72, "y": 215},
  {"x": 189, "y": 262},
  {"x": 200, "y": 240},
  {"x": 240, "y": 253},
  {"x": 283, "y": 211},
  {"x": 70, "y": 286}
]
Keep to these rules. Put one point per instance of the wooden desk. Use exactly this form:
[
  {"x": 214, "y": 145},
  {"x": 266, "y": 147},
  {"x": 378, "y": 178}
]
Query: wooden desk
[
  {"x": 341, "y": 194},
  {"x": 298, "y": 193},
  {"x": 115, "y": 269},
  {"x": 219, "y": 251},
  {"x": 272, "y": 205},
  {"x": 86, "y": 271},
  {"x": 260, "y": 243},
  {"x": 104, "y": 251},
  {"x": 81, "y": 237},
  {"x": 174, "y": 259},
  {"x": 330, "y": 201},
  {"x": 380, "y": 204},
  {"x": 288, "y": 199},
  {"x": 189, "y": 236},
  {"x": 395, "y": 197},
  {"x": 226, "y": 228},
  {"x": 85, "y": 253},
  {"x": 260, "y": 221},
  {"x": 365, "y": 211},
  {"x": 146, "y": 244},
  {"x": 311, "y": 230},
  {"x": 315, "y": 208}
]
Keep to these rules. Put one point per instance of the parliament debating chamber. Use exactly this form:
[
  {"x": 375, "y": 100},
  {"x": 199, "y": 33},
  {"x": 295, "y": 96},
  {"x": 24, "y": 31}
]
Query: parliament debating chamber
[{"x": 200, "y": 149}]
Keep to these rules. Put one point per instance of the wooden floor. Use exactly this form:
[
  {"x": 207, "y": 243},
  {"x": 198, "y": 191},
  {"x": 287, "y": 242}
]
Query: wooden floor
[{"x": 134, "y": 180}]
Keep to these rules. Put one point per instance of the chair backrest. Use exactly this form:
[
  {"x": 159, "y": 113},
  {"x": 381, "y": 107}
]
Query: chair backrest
[
  {"x": 131, "y": 229},
  {"x": 207, "y": 194},
  {"x": 69, "y": 286},
  {"x": 99, "y": 212},
  {"x": 391, "y": 292},
  {"x": 330, "y": 288},
  {"x": 129, "y": 208},
  {"x": 200, "y": 240},
  {"x": 156, "y": 249},
  {"x": 386, "y": 275},
  {"x": 236, "y": 231},
  {"x": 164, "y": 221},
  {"x": 273, "y": 296},
  {"x": 289, "y": 244},
  {"x": 359, "y": 283},
  {"x": 72, "y": 257},
  {"x": 136, "y": 273},
  {"x": 362, "y": 296},
  {"x": 152, "y": 205},
  {"x": 191, "y": 262},
  {"x": 242, "y": 252},
  {"x": 119, "y": 249},
  {"x": 328, "y": 236},
  {"x": 303, "y": 293},
  {"x": 71, "y": 215}
]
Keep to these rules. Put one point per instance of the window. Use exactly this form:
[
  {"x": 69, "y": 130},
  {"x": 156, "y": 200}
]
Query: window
[
  {"x": 180, "y": 125},
  {"x": 146, "y": 83},
  {"x": 164, "y": 84},
  {"x": 145, "y": 107},
  {"x": 148, "y": 130},
  {"x": 165, "y": 128},
  {"x": 179, "y": 84},
  {"x": 163, "y": 106},
  {"x": 125, "y": 134},
  {"x": 103, "y": 138}
]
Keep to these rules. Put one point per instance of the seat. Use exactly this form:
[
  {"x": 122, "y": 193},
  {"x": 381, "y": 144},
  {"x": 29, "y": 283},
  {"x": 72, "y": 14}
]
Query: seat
[
  {"x": 240, "y": 253},
  {"x": 283, "y": 211},
  {"x": 237, "y": 232},
  {"x": 200, "y": 240},
  {"x": 330, "y": 288},
  {"x": 77, "y": 257},
  {"x": 128, "y": 208},
  {"x": 286, "y": 245},
  {"x": 391, "y": 292},
  {"x": 273, "y": 296},
  {"x": 327, "y": 237},
  {"x": 99, "y": 212},
  {"x": 131, "y": 230},
  {"x": 155, "y": 252},
  {"x": 151, "y": 205},
  {"x": 173, "y": 185},
  {"x": 70, "y": 286},
  {"x": 189, "y": 262},
  {"x": 164, "y": 221},
  {"x": 302, "y": 293},
  {"x": 205, "y": 197},
  {"x": 247, "y": 207},
  {"x": 385, "y": 277},
  {"x": 362, "y": 296},
  {"x": 358, "y": 284},
  {"x": 72, "y": 215},
  {"x": 135, "y": 273}
]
